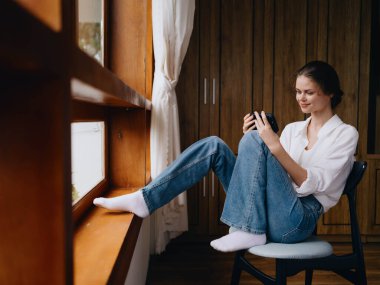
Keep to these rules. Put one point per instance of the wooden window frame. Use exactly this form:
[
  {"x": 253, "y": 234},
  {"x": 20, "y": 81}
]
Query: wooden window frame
[{"x": 83, "y": 112}]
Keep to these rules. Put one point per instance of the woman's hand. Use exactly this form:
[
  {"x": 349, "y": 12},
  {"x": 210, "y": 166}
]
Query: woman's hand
[
  {"x": 248, "y": 123},
  {"x": 266, "y": 133}
]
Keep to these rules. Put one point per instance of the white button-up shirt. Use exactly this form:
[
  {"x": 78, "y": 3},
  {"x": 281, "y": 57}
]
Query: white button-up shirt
[{"x": 328, "y": 163}]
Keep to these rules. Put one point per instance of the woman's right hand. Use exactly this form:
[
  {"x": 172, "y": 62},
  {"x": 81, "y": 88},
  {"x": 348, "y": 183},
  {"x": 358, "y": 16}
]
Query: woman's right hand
[{"x": 248, "y": 123}]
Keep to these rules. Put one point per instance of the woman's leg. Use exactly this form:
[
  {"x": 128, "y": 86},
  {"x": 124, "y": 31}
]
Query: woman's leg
[
  {"x": 260, "y": 199},
  {"x": 189, "y": 168}
]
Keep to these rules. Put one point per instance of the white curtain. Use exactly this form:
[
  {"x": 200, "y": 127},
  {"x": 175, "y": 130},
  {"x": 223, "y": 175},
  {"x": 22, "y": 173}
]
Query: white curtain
[{"x": 172, "y": 27}]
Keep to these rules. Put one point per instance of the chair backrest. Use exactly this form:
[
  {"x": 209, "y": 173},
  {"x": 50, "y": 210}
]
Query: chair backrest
[
  {"x": 355, "y": 176},
  {"x": 353, "y": 180}
]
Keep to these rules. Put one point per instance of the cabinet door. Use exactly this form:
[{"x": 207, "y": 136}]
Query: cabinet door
[
  {"x": 231, "y": 63},
  {"x": 193, "y": 104}
]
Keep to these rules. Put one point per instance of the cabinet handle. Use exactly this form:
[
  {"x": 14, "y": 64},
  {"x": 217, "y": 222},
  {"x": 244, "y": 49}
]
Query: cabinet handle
[
  {"x": 213, "y": 91},
  {"x": 212, "y": 183},
  {"x": 204, "y": 187},
  {"x": 205, "y": 91}
]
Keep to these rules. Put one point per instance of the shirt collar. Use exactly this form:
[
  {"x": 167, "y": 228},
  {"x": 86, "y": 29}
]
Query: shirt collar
[{"x": 330, "y": 125}]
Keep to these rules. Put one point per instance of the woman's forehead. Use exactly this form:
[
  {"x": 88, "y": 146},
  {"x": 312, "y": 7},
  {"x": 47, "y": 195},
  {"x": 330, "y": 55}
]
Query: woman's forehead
[{"x": 304, "y": 82}]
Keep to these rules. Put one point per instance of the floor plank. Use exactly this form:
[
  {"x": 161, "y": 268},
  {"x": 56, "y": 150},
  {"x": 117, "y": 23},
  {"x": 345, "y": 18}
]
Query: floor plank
[{"x": 197, "y": 263}]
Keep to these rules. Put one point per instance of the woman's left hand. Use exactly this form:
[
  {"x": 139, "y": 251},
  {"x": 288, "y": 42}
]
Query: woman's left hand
[{"x": 265, "y": 131}]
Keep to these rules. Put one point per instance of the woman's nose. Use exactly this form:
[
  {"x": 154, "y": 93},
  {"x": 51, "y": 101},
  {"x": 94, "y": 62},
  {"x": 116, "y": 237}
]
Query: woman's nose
[{"x": 301, "y": 96}]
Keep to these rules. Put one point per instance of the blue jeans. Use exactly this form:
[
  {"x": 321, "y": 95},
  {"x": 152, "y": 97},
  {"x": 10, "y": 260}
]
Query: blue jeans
[{"x": 259, "y": 194}]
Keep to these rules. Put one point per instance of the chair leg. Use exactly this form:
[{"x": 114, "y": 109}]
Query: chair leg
[
  {"x": 360, "y": 270},
  {"x": 236, "y": 271},
  {"x": 361, "y": 275},
  {"x": 280, "y": 272},
  {"x": 308, "y": 276}
]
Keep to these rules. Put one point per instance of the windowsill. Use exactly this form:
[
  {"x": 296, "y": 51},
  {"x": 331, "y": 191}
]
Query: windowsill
[{"x": 104, "y": 243}]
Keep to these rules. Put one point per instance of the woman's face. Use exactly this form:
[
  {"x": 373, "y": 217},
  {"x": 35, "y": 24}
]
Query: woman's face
[{"x": 310, "y": 96}]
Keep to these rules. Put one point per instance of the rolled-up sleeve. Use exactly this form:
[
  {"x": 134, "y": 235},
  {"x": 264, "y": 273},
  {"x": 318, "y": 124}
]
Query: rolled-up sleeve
[{"x": 329, "y": 173}]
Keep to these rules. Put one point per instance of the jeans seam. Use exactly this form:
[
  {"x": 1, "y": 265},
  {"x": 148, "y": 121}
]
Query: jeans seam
[{"x": 248, "y": 218}]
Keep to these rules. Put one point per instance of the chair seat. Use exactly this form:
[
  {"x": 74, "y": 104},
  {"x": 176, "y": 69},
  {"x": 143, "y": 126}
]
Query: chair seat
[{"x": 313, "y": 247}]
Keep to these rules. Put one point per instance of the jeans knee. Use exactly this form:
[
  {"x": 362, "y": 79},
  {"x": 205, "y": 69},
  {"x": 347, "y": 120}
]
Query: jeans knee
[
  {"x": 216, "y": 141},
  {"x": 213, "y": 142},
  {"x": 250, "y": 139}
]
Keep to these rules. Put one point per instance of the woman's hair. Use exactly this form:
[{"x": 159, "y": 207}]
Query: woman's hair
[{"x": 326, "y": 77}]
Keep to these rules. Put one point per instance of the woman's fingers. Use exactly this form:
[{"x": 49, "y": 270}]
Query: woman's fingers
[
  {"x": 248, "y": 123},
  {"x": 265, "y": 120},
  {"x": 247, "y": 116},
  {"x": 258, "y": 121}
]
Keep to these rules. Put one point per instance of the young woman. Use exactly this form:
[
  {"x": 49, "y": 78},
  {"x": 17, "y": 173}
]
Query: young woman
[{"x": 277, "y": 187}]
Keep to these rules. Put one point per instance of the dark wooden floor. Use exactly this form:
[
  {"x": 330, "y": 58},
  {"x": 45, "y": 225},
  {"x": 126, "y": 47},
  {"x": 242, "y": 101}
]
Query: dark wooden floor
[{"x": 198, "y": 263}]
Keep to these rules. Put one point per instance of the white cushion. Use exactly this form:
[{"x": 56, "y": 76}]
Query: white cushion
[{"x": 313, "y": 247}]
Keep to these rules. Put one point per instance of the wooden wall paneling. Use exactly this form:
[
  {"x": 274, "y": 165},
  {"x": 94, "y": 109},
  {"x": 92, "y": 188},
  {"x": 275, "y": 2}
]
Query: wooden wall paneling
[
  {"x": 371, "y": 189},
  {"x": 188, "y": 89},
  {"x": 312, "y": 30},
  {"x": 376, "y": 187},
  {"x": 189, "y": 97},
  {"x": 204, "y": 68},
  {"x": 290, "y": 54},
  {"x": 236, "y": 68},
  {"x": 205, "y": 84},
  {"x": 343, "y": 44},
  {"x": 268, "y": 79},
  {"x": 233, "y": 41},
  {"x": 215, "y": 193},
  {"x": 317, "y": 30},
  {"x": 35, "y": 196},
  {"x": 258, "y": 55},
  {"x": 366, "y": 193},
  {"x": 128, "y": 42},
  {"x": 372, "y": 208},
  {"x": 323, "y": 26},
  {"x": 127, "y": 147},
  {"x": 215, "y": 61}
]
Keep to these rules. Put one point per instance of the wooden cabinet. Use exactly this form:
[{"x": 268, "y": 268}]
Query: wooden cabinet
[
  {"x": 243, "y": 54},
  {"x": 214, "y": 93}
]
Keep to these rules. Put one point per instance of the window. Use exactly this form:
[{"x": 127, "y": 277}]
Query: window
[
  {"x": 91, "y": 28},
  {"x": 87, "y": 157}
]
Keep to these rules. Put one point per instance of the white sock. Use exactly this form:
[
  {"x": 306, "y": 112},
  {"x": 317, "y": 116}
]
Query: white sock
[
  {"x": 133, "y": 203},
  {"x": 238, "y": 240}
]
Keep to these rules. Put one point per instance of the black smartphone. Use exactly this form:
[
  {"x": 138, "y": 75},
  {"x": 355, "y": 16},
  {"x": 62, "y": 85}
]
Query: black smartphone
[{"x": 271, "y": 119}]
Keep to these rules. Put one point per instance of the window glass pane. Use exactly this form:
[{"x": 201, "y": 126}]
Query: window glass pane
[
  {"x": 91, "y": 28},
  {"x": 87, "y": 157}
]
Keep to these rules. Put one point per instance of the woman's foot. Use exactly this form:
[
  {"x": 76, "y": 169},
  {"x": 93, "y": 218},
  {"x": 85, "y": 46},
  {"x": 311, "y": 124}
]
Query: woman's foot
[
  {"x": 238, "y": 240},
  {"x": 133, "y": 203}
]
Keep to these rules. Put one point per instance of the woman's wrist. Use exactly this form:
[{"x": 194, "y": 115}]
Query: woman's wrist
[{"x": 276, "y": 148}]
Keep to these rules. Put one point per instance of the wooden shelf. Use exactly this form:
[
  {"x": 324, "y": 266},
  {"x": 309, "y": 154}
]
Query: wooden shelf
[
  {"x": 90, "y": 82},
  {"x": 104, "y": 243},
  {"x": 24, "y": 51}
]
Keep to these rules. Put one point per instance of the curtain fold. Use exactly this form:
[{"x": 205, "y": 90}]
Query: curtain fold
[{"x": 172, "y": 27}]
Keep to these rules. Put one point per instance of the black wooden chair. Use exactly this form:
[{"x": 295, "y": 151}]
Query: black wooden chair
[{"x": 314, "y": 253}]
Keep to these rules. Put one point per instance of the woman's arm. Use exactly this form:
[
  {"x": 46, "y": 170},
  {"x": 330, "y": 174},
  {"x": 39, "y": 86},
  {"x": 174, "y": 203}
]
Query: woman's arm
[{"x": 271, "y": 139}]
